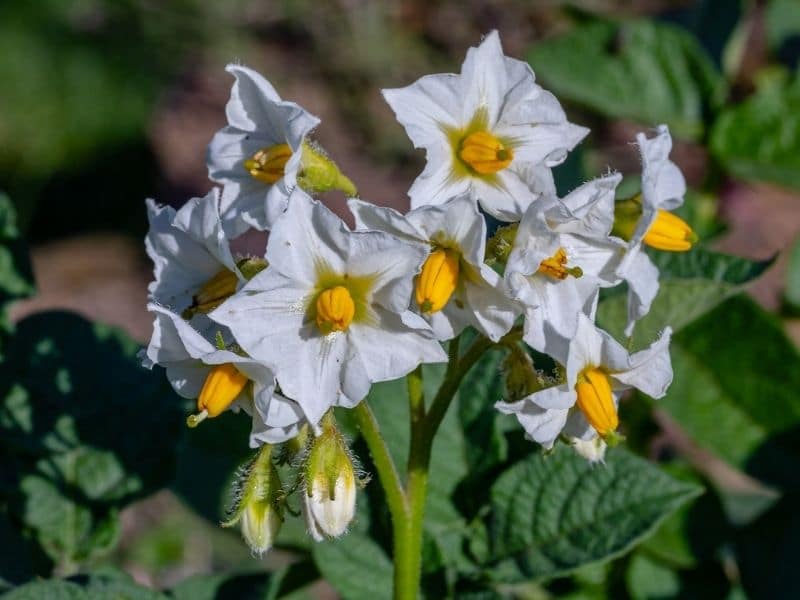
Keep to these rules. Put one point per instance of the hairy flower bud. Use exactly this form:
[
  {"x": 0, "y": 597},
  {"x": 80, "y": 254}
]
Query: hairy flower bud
[
  {"x": 329, "y": 500},
  {"x": 318, "y": 173},
  {"x": 257, "y": 502}
]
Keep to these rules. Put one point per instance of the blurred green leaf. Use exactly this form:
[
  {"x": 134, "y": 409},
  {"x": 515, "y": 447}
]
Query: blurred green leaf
[
  {"x": 647, "y": 579},
  {"x": 85, "y": 431},
  {"x": 781, "y": 21},
  {"x": 734, "y": 390},
  {"x": 554, "y": 513},
  {"x": 16, "y": 276},
  {"x": 247, "y": 586},
  {"x": 105, "y": 584},
  {"x": 792, "y": 291},
  {"x": 639, "y": 70},
  {"x": 356, "y": 566},
  {"x": 759, "y": 139},
  {"x": 691, "y": 284}
]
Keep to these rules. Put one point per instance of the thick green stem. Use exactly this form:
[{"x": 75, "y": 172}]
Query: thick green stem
[{"x": 387, "y": 472}]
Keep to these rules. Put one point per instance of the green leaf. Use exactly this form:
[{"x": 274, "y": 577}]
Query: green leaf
[
  {"x": 647, "y": 579},
  {"x": 104, "y": 584},
  {"x": 84, "y": 430},
  {"x": 639, "y": 70},
  {"x": 734, "y": 390},
  {"x": 792, "y": 292},
  {"x": 759, "y": 139},
  {"x": 781, "y": 21},
  {"x": 264, "y": 586},
  {"x": 16, "y": 276},
  {"x": 356, "y": 566},
  {"x": 691, "y": 284},
  {"x": 554, "y": 513}
]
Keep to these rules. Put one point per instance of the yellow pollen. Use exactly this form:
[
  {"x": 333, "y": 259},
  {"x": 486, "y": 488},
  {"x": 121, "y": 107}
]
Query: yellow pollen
[
  {"x": 335, "y": 309},
  {"x": 484, "y": 153},
  {"x": 213, "y": 293},
  {"x": 596, "y": 401},
  {"x": 556, "y": 266},
  {"x": 437, "y": 281},
  {"x": 267, "y": 164},
  {"x": 223, "y": 384},
  {"x": 670, "y": 232}
]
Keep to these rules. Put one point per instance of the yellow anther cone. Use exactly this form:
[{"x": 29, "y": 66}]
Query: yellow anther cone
[
  {"x": 437, "y": 281},
  {"x": 596, "y": 401},
  {"x": 214, "y": 292},
  {"x": 484, "y": 153},
  {"x": 267, "y": 164},
  {"x": 556, "y": 266},
  {"x": 670, "y": 232},
  {"x": 223, "y": 384},
  {"x": 335, "y": 309}
]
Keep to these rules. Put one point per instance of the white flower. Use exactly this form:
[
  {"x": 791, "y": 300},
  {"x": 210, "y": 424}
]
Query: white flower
[
  {"x": 258, "y": 154},
  {"x": 488, "y": 131},
  {"x": 555, "y": 272},
  {"x": 598, "y": 369},
  {"x": 193, "y": 265},
  {"x": 331, "y": 311},
  {"x": 663, "y": 189},
  {"x": 459, "y": 287},
  {"x": 220, "y": 378}
]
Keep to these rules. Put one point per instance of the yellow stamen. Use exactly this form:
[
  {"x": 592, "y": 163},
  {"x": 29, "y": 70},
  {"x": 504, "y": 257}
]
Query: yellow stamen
[
  {"x": 223, "y": 384},
  {"x": 596, "y": 401},
  {"x": 670, "y": 232},
  {"x": 267, "y": 164},
  {"x": 484, "y": 153},
  {"x": 556, "y": 266},
  {"x": 437, "y": 281},
  {"x": 335, "y": 309},
  {"x": 213, "y": 293}
]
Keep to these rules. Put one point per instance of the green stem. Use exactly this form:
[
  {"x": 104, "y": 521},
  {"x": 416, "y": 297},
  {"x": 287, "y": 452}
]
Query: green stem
[{"x": 387, "y": 472}]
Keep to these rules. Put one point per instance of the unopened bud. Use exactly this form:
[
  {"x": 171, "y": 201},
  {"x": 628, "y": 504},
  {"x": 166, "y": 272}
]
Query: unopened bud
[
  {"x": 318, "y": 173},
  {"x": 330, "y": 484},
  {"x": 257, "y": 502},
  {"x": 499, "y": 246},
  {"x": 521, "y": 378}
]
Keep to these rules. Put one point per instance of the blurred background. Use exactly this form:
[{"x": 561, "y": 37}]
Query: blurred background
[{"x": 106, "y": 102}]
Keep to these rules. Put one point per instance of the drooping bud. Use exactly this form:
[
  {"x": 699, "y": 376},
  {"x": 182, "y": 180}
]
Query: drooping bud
[
  {"x": 596, "y": 401},
  {"x": 670, "y": 232},
  {"x": 294, "y": 447},
  {"x": 223, "y": 384},
  {"x": 330, "y": 483},
  {"x": 626, "y": 216},
  {"x": 257, "y": 502},
  {"x": 318, "y": 173},
  {"x": 267, "y": 165},
  {"x": 212, "y": 293},
  {"x": 499, "y": 246},
  {"x": 556, "y": 266},
  {"x": 484, "y": 153},
  {"x": 437, "y": 281},
  {"x": 335, "y": 309},
  {"x": 593, "y": 450}
]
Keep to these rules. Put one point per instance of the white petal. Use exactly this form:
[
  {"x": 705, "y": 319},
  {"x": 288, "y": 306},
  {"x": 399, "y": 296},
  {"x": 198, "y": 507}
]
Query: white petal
[
  {"x": 540, "y": 424},
  {"x": 369, "y": 216},
  {"x": 489, "y": 307},
  {"x": 588, "y": 210},
  {"x": 437, "y": 182},
  {"x": 585, "y": 349},
  {"x": 663, "y": 184},
  {"x": 651, "y": 369},
  {"x": 642, "y": 277}
]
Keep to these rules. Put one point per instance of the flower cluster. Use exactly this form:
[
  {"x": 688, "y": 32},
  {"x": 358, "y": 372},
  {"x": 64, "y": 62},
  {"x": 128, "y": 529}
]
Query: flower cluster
[{"x": 330, "y": 310}]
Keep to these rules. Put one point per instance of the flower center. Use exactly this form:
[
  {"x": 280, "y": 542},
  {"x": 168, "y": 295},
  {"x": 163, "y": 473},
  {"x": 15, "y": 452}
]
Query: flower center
[
  {"x": 596, "y": 401},
  {"x": 484, "y": 153},
  {"x": 223, "y": 384},
  {"x": 670, "y": 232},
  {"x": 335, "y": 309},
  {"x": 437, "y": 281},
  {"x": 212, "y": 293},
  {"x": 267, "y": 164},
  {"x": 556, "y": 266}
]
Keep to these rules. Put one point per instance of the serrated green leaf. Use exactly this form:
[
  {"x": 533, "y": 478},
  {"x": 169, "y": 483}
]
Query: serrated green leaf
[
  {"x": 52, "y": 590},
  {"x": 356, "y": 566},
  {"x": 640, "y": 70},
  {"x": 759, "y": 139},
  {"x": 554, "y": 513},
  {"x": 691, "y": 284},
  {"x": 734, "y": 390}
]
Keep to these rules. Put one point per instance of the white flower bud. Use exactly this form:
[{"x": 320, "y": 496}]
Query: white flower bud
[
  {"x": 329, "y": 501},
  {"x": 256, "y": 504}
]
